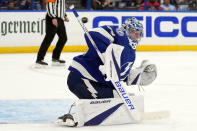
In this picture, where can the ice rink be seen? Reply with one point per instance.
(174, 89)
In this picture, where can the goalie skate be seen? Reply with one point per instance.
(66, 120)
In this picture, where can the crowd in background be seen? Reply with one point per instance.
(161, 5)
(22, 5)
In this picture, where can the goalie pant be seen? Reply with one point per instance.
(88, 89)
(111, 111)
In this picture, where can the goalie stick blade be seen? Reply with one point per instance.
(155, 115)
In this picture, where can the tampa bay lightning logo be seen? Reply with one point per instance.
(120, 32)
(125, 68)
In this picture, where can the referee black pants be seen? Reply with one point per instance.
(51, 30)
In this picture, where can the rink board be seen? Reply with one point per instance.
(163, 31)
(83, 48)
(32, 111)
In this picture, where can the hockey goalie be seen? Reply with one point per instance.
(90, 78)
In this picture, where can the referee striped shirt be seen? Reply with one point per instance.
(56, 8)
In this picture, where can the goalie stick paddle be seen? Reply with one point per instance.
(155, 115)
(116, 83)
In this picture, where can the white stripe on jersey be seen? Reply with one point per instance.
(82, 70)
(56, 9)
(90, 88)
(126, 68)
(104, 33)
(50, 9)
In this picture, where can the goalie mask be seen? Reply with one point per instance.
(134, 31)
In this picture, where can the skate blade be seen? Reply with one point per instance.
(39, 66)
(57, 64)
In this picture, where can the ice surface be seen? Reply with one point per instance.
(175, 90)
(32, 111)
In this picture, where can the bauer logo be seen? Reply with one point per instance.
(124, 95)
(154, 25)
(100, 102)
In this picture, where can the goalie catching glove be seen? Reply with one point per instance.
(143, 75)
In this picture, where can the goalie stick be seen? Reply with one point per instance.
(135, 114)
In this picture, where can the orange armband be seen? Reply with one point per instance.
(50, 1)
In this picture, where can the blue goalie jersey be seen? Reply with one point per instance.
(87, 65)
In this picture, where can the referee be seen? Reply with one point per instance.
(55, 18)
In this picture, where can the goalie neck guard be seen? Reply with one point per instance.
(132, 24)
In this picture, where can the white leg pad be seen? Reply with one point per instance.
(109, 111)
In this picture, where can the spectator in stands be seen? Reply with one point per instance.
(25, 5)
(166, 6)
(100, 4)
(183, 6)
(43, 4)
(2, 3)
(106, 3)
(151, 5)
(192, 4)
(122, 3)
(136, 3)
(84, 3)
(96, 4)
(127, 2)
(37, 5)
(175, 2)
(10, 5)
